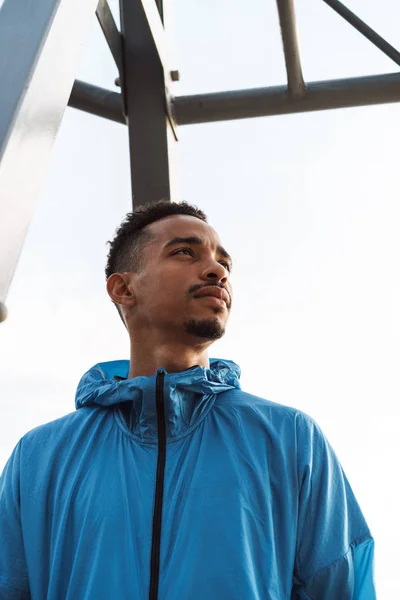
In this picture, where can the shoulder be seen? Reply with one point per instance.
(281, 418)
(61, 431)
(56, 426)
(265, 407)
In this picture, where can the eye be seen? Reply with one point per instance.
(189, 250)
(225, 264)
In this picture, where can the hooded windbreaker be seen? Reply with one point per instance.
(179, 487)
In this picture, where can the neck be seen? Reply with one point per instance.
(146, 358)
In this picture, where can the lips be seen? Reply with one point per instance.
(215, 291)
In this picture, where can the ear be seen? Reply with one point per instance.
(120, 289)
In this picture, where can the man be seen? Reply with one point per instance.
(169, 482)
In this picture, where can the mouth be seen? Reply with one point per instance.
(214, 293)
(214, 301)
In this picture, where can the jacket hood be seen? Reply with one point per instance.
(188, 395)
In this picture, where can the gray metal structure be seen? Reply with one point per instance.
(33, 37)
(145, 69)
(40, 43)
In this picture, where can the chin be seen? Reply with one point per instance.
(209, 329)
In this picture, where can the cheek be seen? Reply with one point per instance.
(165, 289)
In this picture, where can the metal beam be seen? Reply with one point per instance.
(97, 101)
(110, 30)
(40, 43)
(252, 103)
(154, 15)
(160, 8)
(365, 29)
(151, 137)
(290, 47)
(263, 102)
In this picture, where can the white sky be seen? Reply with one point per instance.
(308, 205)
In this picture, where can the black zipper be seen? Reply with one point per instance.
(157, 516)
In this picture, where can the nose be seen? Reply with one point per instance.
(214, 271)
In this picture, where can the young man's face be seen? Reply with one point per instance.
(175, 272)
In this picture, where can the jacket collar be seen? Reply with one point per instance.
(188, 395)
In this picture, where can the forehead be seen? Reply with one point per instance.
(182, 226)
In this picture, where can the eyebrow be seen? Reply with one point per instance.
(196, 240)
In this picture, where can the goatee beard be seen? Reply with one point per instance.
(209, 329)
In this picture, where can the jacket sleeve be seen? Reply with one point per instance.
(335, 549)
(13, 571)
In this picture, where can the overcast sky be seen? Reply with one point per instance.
(308, 206)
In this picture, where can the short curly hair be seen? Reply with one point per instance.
(126, 249)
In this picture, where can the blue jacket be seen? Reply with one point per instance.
(179, 487)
